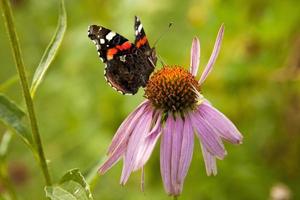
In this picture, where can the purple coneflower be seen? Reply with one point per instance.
(174, 110)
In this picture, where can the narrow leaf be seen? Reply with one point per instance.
(9, 82)
(6, 138)
(11, 115)
(71, 187)
(51, 50)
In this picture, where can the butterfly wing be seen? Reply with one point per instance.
(141, 41)
(128, 71)
(127, 67)
(107, 41)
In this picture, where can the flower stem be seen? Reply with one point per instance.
(8, 19)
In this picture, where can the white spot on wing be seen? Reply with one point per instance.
(110, 35)
(127, 94)
(102, 41)
(140, 27)
(136, 32)
(104, 72)
(123, 58)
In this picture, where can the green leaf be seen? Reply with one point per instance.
(11, 115)
(9, 82)
(71, 187)
(6, 138)
(51, 50)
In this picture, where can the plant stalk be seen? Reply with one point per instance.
(8, 19)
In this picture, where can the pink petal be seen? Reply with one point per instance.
(119, 143)
(113, 158)
(225, 128)
(127, 126)
(195, 56)
(148, 144)
(213, 56)
(165, 155)
(135, 143)
(177, 136)
(186, 154)
(208, 135)
(176, 153)
(210, 162)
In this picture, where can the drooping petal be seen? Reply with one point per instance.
(175, 156)
(113, 158)
(135, 143)
(208, 135)
(209, 161)
(195, 56)
(176, 153)
(165, 155)
(186, 154)
(213, 56)
(119, 143)
(127, 126)
(221, 123)
(149, 144)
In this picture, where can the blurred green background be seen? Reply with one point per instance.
(255, 82)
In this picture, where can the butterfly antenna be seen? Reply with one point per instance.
(163, 34)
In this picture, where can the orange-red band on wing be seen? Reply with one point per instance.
(141, 42)
(124, 46)
(112, 51)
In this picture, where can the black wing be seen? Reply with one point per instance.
(106, 41)
(127, 67)
(142, 43)
(129, 71)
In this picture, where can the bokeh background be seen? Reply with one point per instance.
(255, 82)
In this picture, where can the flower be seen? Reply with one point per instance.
(174, 110)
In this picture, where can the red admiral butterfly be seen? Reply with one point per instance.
(128, 66)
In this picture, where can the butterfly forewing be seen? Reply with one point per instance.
(105, 40)
(141, 41)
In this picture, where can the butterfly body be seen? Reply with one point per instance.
(128, 65)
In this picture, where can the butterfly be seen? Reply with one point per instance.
(127, 65)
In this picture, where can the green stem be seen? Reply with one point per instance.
(8, 19)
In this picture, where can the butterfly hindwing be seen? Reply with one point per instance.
(128, 71)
